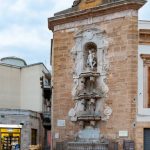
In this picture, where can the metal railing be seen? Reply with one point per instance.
(86, 146)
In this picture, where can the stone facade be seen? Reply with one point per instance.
(121, 29)
(28, 119)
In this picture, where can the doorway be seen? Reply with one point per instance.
(146, 138)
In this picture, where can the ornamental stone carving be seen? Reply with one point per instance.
(76, 2)
(90, 72)
(106, 113)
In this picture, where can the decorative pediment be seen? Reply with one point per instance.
(90, 71)
(144, 36)
(86, 4)
(91, 34)
(92, 30)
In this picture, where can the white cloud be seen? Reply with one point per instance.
(23, 26)
(25, 37)
(24, 30)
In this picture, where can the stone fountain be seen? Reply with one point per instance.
(90, 90)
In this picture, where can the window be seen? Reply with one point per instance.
(33, 136)
(146, 80)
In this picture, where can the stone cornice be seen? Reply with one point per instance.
(144, 31)
(145, 56)
(144, 36)
(93, 20)
(93, 12)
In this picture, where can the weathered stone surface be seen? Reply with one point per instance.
(89, 134)
(121, 28)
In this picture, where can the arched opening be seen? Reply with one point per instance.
(90, 56)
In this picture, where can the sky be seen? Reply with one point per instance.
(24, 29)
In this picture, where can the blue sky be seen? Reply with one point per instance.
(23, 27)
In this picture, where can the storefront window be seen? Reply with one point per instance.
(9, 138)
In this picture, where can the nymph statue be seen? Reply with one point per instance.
(91, 60)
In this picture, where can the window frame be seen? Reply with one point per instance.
(33, 136)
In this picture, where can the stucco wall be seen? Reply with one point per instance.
(9, 87)
(31, 92)
(20, 87)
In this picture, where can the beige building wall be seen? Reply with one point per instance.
(20, 87)
(31, 92)
(9, 87)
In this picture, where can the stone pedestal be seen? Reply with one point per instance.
(88, 139)
(89, 134)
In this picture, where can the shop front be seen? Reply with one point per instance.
(20, 128)
(10, 137)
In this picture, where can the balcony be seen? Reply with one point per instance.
(46, 117)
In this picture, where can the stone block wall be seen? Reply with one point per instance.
(122, 33)
(28, 119)
(62, 82)
(122, 80)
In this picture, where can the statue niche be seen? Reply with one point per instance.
(90, 89)
(90, 56)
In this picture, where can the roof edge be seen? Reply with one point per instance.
(103, 9)
(31, 65)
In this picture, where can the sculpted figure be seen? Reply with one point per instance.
(107, 113)
(103, 86)
(79, 107)
(76, 2)
(91, 60)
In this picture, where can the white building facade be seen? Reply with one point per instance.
(22, 103)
